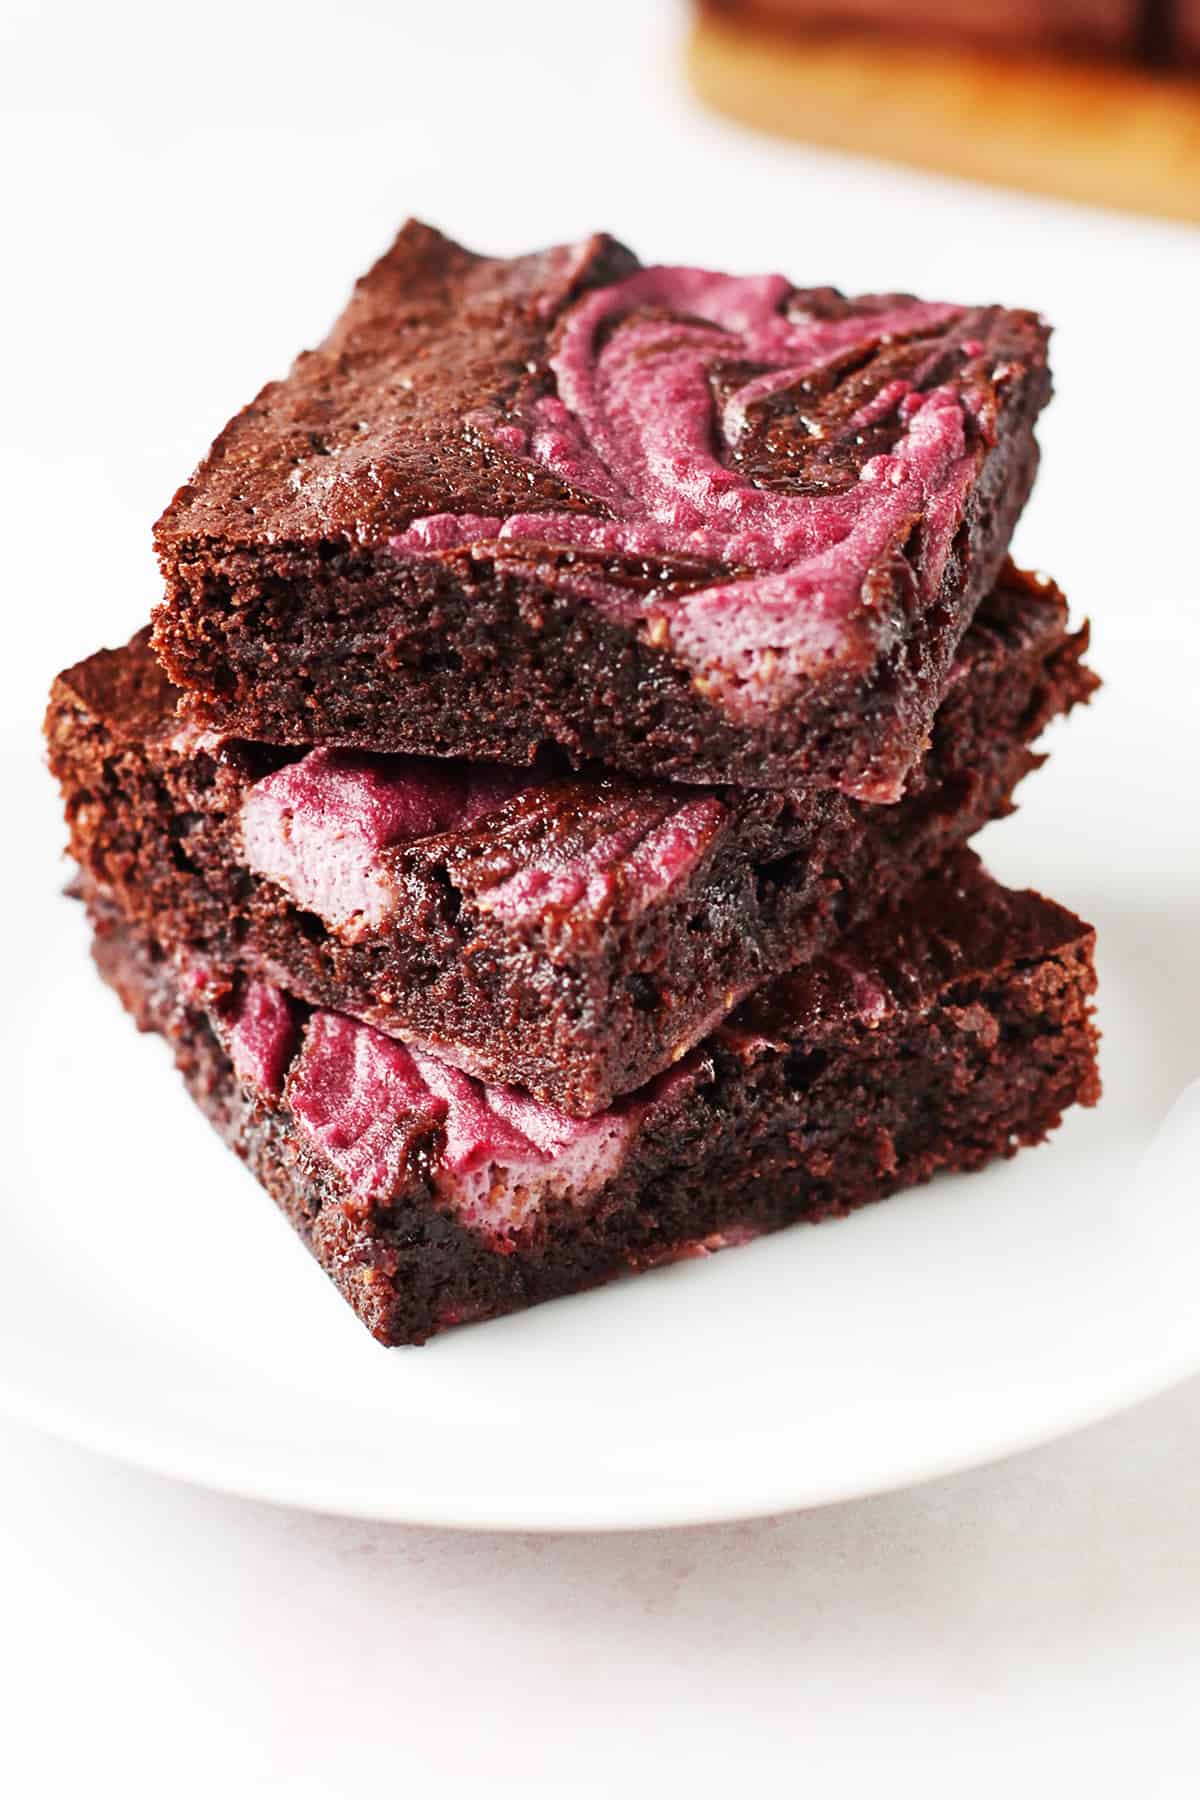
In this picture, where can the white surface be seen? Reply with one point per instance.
(188, 196)
(1026, 1629)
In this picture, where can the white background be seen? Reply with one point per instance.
(190, 193)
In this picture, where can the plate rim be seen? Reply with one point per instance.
(335, 1500)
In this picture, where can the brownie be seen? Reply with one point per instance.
(1153, 31)
(571, 933)
(697, 527)
(946, 1033)
(1184, 40)
(1111, 27)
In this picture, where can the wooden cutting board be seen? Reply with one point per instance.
(1090, 131)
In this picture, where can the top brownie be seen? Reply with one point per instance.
(706, 527)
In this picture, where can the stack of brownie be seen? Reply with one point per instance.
(537, 816)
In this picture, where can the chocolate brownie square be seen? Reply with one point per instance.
(699, 527)
(571, 933)
(951, 1029)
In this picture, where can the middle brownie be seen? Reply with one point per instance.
(570, 933)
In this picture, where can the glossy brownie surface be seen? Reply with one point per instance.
(700, 526)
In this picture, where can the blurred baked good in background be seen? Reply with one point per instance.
(1090, 100)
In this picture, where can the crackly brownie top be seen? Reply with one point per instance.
(733, 462)
(345, 834)
(949, 927)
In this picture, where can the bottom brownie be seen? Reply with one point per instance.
(951, 1029)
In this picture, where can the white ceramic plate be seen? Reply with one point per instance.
(153, 1305)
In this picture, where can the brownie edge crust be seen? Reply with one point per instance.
(440, 535)
(952, 1029)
